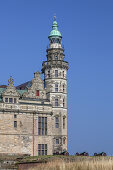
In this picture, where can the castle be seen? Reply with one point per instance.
(33, 115)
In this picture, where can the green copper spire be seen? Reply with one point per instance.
(55, 32)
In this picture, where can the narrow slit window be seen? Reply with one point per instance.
(56, 73)
(63, 122)
(63, 88)
(15, 124)
(57, 122)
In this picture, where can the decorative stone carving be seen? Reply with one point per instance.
(11, 90)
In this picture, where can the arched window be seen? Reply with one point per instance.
(56, 87)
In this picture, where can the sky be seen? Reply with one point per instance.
(87, 30)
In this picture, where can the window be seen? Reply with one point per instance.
(15, 124)
(57, 122)
(42, 125)
(42, 149)
(15, 116)
(56, 73)
(10, 100)
(14, 100)
(63, 88)
(37, 93)
(56, 57)
(63, 74)
(63, 102)
(56, 87)
(48, 73)
(63, 122)
(57, 141)
(64, 141)
(6, 100)
(56, 102)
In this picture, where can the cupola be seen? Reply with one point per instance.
(55, 36)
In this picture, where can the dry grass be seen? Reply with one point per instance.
(96, 163)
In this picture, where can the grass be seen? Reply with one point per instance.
(80, 163)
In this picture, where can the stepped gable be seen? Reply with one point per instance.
(36, 90)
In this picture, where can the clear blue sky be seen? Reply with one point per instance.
(87, 30)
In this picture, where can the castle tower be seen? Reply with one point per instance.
(55, 82)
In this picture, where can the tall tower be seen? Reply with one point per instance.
(55, 81)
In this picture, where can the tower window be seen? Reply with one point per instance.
(56, 73)
(37, 93)
(15, 124)
(63, 102)
(42, 149)
(63, 88)
(57, 141)
(56, 57)
(63, 122)
(63, 74)
(57, 122)
(56, 87)
(42, 125)
(48, 73)
(56, 102)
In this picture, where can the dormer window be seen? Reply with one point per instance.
(37, 93)
(14, 100)
(6, 100)
(10, 100)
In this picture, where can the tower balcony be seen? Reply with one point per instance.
(54, 63)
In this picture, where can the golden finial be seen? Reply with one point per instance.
(54, 17)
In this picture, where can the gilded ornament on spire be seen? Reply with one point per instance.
(54, 17)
